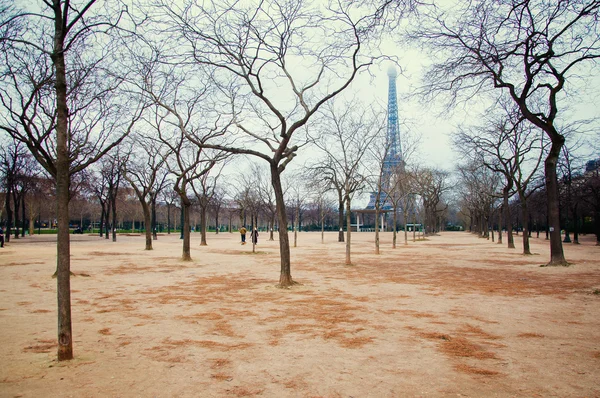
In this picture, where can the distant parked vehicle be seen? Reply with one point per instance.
(78, 230)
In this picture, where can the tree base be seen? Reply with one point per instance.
(287, 283)
(66, 355)
(563, 263)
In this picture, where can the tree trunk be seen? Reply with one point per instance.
(114, 217)
(285, 277)
(168, 219)
(185, 229)
(107, 223)
(500, 226)
(296, 221)
(203, 226)
(148, 234)
(491, 222)
(181, 221)
(101, 226)
(217, 227)
(272, 227)
(341, 217)
(525, 216)
(17, 203)
(575, 225)
(348, 231)
(376, 228)
(23, 218)
(153, 221)
(63, 268)
(507, 219)
(557, 256)
(395, 234)
(405, 228)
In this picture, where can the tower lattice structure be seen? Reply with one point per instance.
(393, 161)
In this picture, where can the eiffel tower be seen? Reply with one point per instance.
(393, 158)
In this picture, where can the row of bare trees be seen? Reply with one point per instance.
(80, 77)
(211, 80)
(503, 157)
(530, 52)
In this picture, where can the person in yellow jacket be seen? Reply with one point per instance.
(243, 233)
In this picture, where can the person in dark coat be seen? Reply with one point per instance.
(254, 236)
(1, 237)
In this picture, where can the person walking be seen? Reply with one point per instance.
(254, 236)
(243, 234)
(1, 237)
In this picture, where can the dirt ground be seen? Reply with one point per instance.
(453, 315)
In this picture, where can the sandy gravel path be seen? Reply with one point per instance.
(453, 315)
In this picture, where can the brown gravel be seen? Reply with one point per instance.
(453, 315)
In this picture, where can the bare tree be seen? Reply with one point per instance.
(396, 181)
(57, 100)
(528, 49)
(280, 61)
(204, 189)
(216, 203)
(401, 192)
(147, 174)
(569, 167)
(187, 163)
(432, 184)
(346, 131)
(377, 180)
(478, 188)
(508, 145)
(169, 196)
(591, 190)
(319, 189)
(18, 173)
(297, 194)
(345, 135)
(112, 170)
(9, 164)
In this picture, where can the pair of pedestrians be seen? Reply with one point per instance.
(253, 234)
